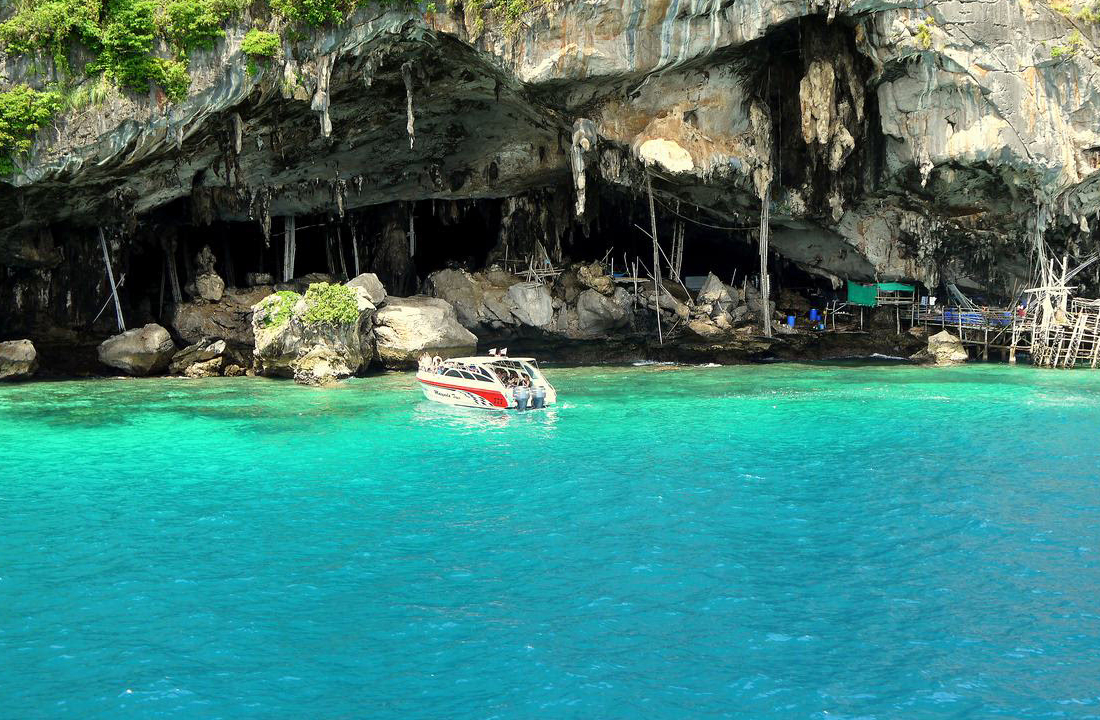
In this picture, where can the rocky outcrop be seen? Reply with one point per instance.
(943, 349)
(230, 318)
(18, 360)
(531, 304)
(207, 358)
(598, 315)
(322, 365)
(142, 351)
(315, 338)
(371, 285)
(406, 328)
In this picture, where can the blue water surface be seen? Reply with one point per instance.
(670, 542)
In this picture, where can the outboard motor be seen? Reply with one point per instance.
(522, 394)
(538, 397)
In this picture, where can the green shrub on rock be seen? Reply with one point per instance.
(23, 112)
(277, 308)
(51, 26)
(330, 305)
(260, 44)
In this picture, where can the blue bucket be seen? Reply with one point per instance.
(813, 314)
(790, 320)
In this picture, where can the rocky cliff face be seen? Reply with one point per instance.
(926, 141)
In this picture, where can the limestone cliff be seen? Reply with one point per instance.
(900, 139)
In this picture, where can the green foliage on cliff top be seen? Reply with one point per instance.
(277, 311)
(508, 14)
(330, 305)
(23, 111)
(51, 26)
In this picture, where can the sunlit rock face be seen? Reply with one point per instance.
(893, 141)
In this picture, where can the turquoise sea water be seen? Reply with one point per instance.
(748, 542)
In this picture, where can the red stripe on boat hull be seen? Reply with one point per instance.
(495, 397)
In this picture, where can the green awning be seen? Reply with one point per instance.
(896, 287)
(862, 294)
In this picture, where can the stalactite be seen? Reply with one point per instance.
(584, 139)
(238, 131)
(321, 97)
(406, 74)
(412, 231)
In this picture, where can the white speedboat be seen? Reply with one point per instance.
(487, 381)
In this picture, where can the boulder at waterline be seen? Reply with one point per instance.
(288, 327)
(943, 349)
(406, 328)
(598, 314)
(206, 358)
(479, 299)
(142, 351)
(369, 283)
(18, 360)
(531, 303)
(322, 365)
(200, 352)
(715, 292)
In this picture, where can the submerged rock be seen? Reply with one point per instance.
(18, 360)
(142, 351)
(943, 349)
(406, 328)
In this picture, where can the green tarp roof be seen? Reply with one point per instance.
(866, 295)
(896, 287)
(859, 294)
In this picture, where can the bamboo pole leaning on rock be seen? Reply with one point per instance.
(111, 280)
(656, 258)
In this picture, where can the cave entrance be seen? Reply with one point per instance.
(450, 234)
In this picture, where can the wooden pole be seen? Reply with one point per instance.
(229, 272)
(111, 280)
(765, 280)
(656, 258)
(355, 249)
(173, 274)
(328, 253)
(290, 240)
